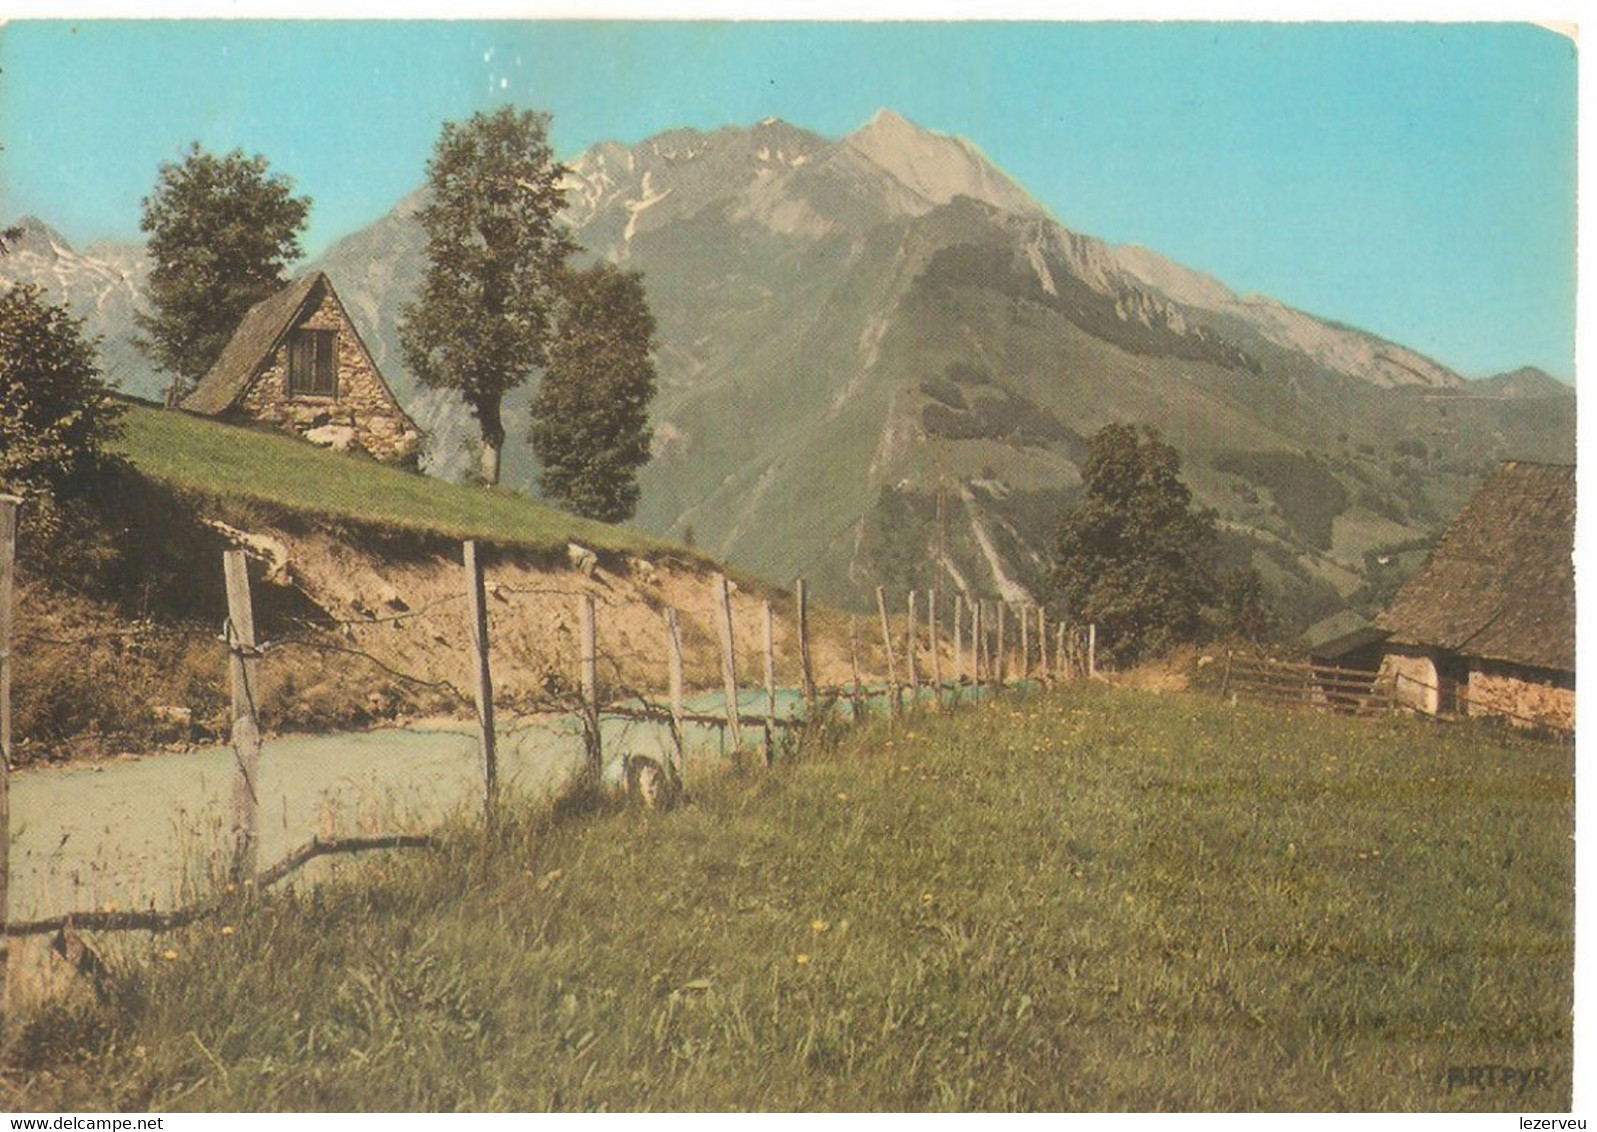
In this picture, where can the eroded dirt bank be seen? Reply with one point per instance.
(363, 626)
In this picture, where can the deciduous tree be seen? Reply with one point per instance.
(222, 230)
(590, 416)
(481, 322)
(1134, 557)
(56, 412)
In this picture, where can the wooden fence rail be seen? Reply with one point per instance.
(151, 920)
(1346, 691)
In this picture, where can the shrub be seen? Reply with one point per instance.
(56, 412)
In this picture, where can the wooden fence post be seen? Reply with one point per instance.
(911, 646)
(978, 640)
(588, 632)
(1042, 644)
(801, 594)
(8, 557)
(673, 640)
(770, 685)
(1061, 664)
(1092, 650)
(1025, 642)
(243, 665)
(482, 680)
(999, 668)
(853, 661)
(887, 643)
(959, 657)
(729, 672)
(937, 648)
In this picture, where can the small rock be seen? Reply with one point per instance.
(582, 559)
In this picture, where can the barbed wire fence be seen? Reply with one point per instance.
(579, 678)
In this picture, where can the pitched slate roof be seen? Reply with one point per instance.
(1501, 583)
(258, 334)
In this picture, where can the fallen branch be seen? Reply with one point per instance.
(155, 921)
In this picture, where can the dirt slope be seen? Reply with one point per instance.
(361, 626)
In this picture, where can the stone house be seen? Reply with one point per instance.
(1487, 626)
(296, 362)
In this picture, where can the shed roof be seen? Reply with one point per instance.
(1348, 644)
(1501, 583)
(258, 334)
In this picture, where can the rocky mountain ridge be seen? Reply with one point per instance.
(880, 359)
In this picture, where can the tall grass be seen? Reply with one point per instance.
(1092, 899)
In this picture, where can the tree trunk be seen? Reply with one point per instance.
(488, 468)
(492, 426)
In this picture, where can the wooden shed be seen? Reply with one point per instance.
(297, 362)
(1487, 625)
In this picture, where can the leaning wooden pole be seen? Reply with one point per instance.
(243, 673)
(729, 672)
(482, 680)
(887, 644)
(1025, 642)
(8, 558)
(937, 646)
(1042, 643)
(673, 641)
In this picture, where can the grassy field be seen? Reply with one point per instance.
(232, 463)
(1089, 899)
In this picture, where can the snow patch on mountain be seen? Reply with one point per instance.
(635, 208)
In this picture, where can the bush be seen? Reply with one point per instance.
(56, 413)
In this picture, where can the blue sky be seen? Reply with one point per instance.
(1415, 180)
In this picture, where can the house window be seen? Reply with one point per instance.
(313, 363)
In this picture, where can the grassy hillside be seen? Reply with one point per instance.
(226, 462)
(1094, 899)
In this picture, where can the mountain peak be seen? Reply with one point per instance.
(41, 239)
(1526, 381)
(889, 119)
(937, 167)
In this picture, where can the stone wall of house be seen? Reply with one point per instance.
(362, 417)
(1417, 684)
(1527, 696)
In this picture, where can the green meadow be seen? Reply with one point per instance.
(249, 466)
(1089, 898)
